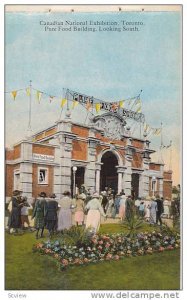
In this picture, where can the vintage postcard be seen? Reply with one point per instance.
(93, 137)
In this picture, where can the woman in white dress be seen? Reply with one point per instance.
(153, 210)
(95, 211)
(65, 212)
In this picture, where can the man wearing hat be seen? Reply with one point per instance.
(95, 211)
(160, 210)
(51, 214)
(39, 214)
(15, 214)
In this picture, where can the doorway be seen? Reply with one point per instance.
(135, 185)
(109, 176)
(79, 178)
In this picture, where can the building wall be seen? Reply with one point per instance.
(137, 160)
(38, 188)
(154, 166)
(79, 150)
(138, 144)
(41, 149)
(9, 179)
(80, 131)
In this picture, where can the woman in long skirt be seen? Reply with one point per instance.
(153, 210)
(79, 211)
(65, 212)
(39, 214)
(95, 211)
(122, 205)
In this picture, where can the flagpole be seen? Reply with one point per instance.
(29, 129)
(161, 144)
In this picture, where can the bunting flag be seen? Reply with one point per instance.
(75, 103)
(28, 91)
(88, 105)
(121, 103)
(38, 96)
(115, 106)
(14, 94)
(157, 131)
(63, 102)
(98, 107)
(146, 127)
(139, 109)
(51, 98)
(137, 101)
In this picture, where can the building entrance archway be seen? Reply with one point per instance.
(109, 175)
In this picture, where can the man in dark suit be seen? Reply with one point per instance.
(160, 210)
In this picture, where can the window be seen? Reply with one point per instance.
(17, 184)
(42, 176)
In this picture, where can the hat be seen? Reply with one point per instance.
(95, 195)
(148, 198)
(66, 193)
(42, 194)
(16, 192)
(53, 196)
(153, 198)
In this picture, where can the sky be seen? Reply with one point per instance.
(108, 65)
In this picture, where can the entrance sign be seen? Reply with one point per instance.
(43, 157)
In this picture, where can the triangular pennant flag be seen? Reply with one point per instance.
(139, 109)
(39, 96)
(63, 102)
(138, 101)
(75, 103)
(14, 94)
(146, 127)
(115, 106)
(88, 105)
(28, 91)
(121, 103)
(98, 107)
(157, 131)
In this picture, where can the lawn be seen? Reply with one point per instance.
(26, 270)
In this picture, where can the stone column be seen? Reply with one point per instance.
(97, 181)
(26, 169)
(127, 177)
(90, 170)
(121, 172)
(144, 188)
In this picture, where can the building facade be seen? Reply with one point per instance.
(101, 154)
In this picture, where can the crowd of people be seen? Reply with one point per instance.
(85, 209)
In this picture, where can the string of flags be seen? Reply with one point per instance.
(90, 102)
(130, 107)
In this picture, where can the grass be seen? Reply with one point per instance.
(26, 270)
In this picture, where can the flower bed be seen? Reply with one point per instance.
(105, 247)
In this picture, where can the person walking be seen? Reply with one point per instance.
(95, 211)
(51, 214)
(15, 214)
(39, 214)
(65, 212)
(122, 205)
(160, 210)
(153, 210)
(79, 211)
